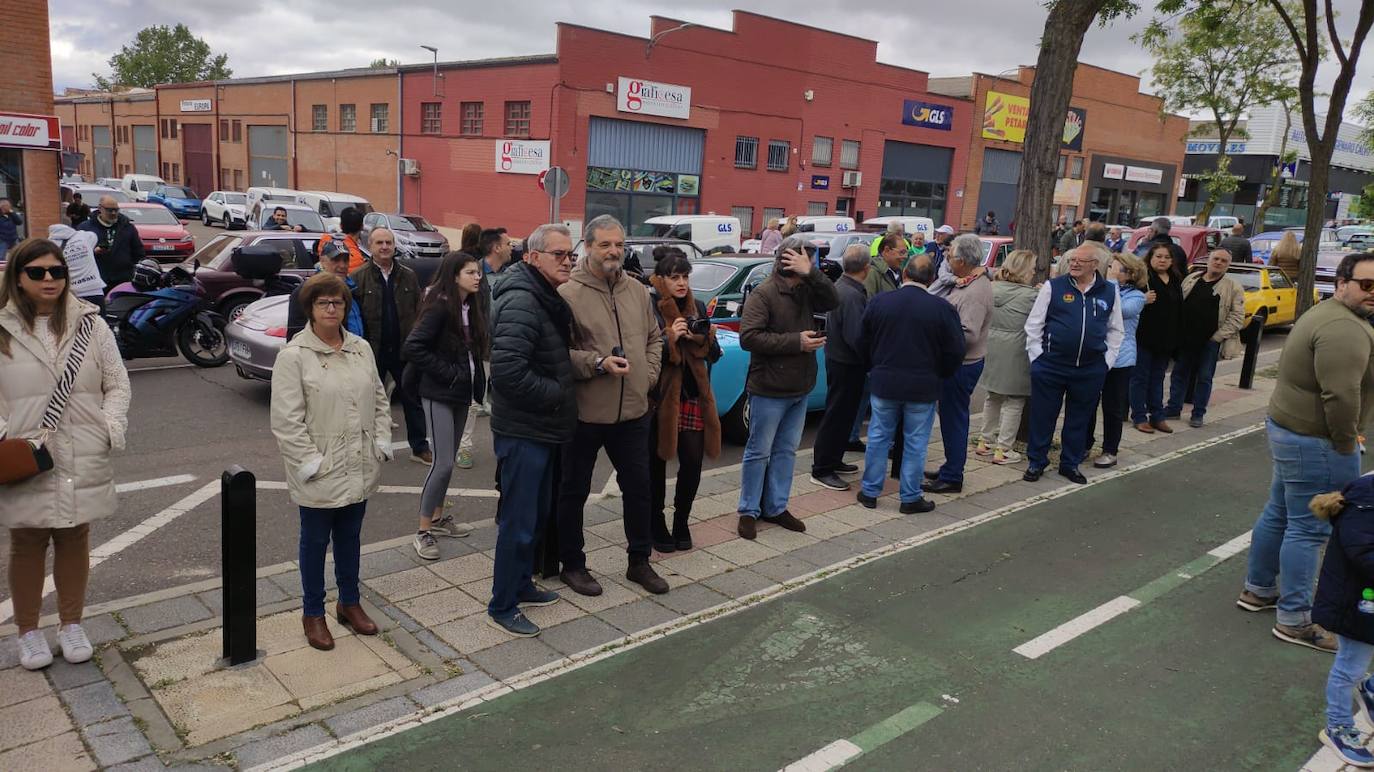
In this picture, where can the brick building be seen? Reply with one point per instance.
(30, 140)
(1120, 161)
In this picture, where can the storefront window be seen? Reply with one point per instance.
(633, 196)
(912, 198)
(12, 177)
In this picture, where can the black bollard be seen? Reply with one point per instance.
(238, 560)
(1250, 336)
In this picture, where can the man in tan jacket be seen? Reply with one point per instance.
(616, 348)
(1213, 313)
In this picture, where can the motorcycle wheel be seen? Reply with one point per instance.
(203, 345)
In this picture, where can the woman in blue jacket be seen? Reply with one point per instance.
(1128, 273)
(1344, 605)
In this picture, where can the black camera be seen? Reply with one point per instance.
(618, 352)
(698, 325)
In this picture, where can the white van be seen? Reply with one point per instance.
(257, 195)
(330, 204)
(823, 222)
(1222, 222)
(138, 186)
(910, 225)
(711, 233)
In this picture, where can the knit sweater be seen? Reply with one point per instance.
(1326, 376)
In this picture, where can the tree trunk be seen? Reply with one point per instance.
(1068, 21)
(1318, 182)
(1271, 196)
(1200, 217)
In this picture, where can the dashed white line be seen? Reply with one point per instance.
(157, 482)
(1231, 548)
(1044, 644)
(831, 756)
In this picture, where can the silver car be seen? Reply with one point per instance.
(257, 336)
(415, 237)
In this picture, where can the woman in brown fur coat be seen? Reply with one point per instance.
(685, 423)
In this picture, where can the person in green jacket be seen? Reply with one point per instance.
(885, 267)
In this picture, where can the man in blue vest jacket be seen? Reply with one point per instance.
(1073, 335)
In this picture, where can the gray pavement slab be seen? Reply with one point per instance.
(165, 614)
(263, 751)
(117, 741)
(579, 635)
(515, 657)
(93, 703)
(642, 614)
(371, 715)
(453, 688)
(740, 582)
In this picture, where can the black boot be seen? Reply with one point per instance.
(682, 535)
(663, 540)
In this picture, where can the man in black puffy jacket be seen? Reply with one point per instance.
(533, 412)
(117, 248)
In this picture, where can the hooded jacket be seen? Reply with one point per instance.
(332, 420)
(80, 486)
(532, 394)
(1348, 568)
(78, 249)
(606, 315)
(123, 248)
(1006, 369)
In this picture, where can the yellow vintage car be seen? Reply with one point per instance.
(1270, 291)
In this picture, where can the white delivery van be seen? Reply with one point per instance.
(823, 222)
(330, 204)
(138, 186)
(710, 232)
(910, 225)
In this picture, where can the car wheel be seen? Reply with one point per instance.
(233, 309)
(735, 425)
(204, 218)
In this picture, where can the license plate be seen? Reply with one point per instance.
(240, 350)
(163, 247)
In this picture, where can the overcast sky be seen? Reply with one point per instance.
(271, 37)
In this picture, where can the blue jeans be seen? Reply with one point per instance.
(1350, 667)
(1287, 537)
(1074, 388)
(345, 526)
(955, 393)
(1201, 364)
(775, 429)
(917, 419)
(1147, 386)
(526, 469)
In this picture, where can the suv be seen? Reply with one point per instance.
(261, 212)
(415, 237)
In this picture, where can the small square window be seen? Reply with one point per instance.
(380, 118)
(348, 117)
(319, 118)
(746, 152)
(822, 148)
(430, 118)
(471, 125)
(517, 119)
(779, 155)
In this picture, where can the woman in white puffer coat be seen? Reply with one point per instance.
(39, 323)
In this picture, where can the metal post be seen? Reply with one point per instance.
(238, 560)
(1251, 337)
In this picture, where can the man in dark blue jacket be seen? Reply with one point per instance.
(844, 372)
(1073, 335)
(10, 221)
(117, 248)
(913, 341)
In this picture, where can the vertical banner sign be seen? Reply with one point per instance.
(1074, 125)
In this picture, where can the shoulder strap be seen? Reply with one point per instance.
(58, 404)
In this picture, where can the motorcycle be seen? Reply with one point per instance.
(159, 314)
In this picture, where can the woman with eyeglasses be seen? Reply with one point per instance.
(43, 328)
(332, 421)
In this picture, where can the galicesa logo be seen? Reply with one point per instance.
(512, 152)
(639, 91)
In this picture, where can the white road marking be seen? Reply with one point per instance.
(159, 367)
(130, 537)
(1044, 644)
(831, 756)
(1232, 547)
(158, 482)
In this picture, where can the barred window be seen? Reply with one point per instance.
(746, 218)
(849, 154)
(517, 119)
(822, 148)
(319, 118)
(348, 117)
(473, 113)
(430, 118)
(746, 152)
(779, 151)
(380, 118)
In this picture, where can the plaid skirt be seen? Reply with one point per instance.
(689, 416)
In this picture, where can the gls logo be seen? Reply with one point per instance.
(725, 227)
(929, 114)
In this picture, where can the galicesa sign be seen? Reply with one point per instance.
(645, 97)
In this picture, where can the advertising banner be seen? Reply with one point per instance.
(645, 97)
(927, 115)
(522, 156)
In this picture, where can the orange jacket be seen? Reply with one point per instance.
(356, 258)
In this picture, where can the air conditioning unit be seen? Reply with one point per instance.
(852, 179)
(377, 126)
(410, 167)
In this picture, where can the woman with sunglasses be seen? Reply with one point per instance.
(332, 421)
(41, 324)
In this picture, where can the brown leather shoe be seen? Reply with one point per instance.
(317, 633)
(748, 527)
(789, 521)
(354, 617)
(1163, 426)
(1144, 427)
(581, 582)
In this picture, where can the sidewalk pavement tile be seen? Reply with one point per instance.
(741, 581)
(714, 484)
(93, 703)
(783, 568)
(825, 527)
(728, 522)
(115, 742)
(480, 540)
(20, 685)
(471, 633)
(63, 753)
(610, 533)
(704, 535)
(481, 589)
(515, 656)
(640, 615)
(188, 657)
(1005, 473)
(861, 517)
(909, 526)
(290, 581)
(318, 677)
(714, 506)
(579, 635)
(65, 675)
(691, 598)
(461, 570)
(282, 632)
(102, 629)
(824, 499)
(554, 614)
(442, 606)
(1000, 497)
(406, 584)
(608, 561)
(860, 542)
(165, 614)
(26, 722)
(9, 651)
(387, 562)
(784, 540)
(697, 564)
(453, 688)
(371, 715)
(596, 514)
(612, 594)
(825, 554)
(225, 702)
(265, 592)
(591, 541)
(389, 654)
(742, 552)
(263, 751)
(145, 764)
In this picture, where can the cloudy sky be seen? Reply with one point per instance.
(271, 37)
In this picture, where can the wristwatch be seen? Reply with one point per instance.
(599, 369)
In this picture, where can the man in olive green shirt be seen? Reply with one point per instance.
(1323, 398)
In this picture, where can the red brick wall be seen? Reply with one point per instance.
(26, 62)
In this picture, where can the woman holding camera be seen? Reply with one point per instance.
(686, 424)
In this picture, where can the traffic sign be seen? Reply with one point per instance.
(554, 181)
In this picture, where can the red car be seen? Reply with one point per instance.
(164, 237)
(1196, 240)
(995, 250)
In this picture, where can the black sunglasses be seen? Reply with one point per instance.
(36, 272)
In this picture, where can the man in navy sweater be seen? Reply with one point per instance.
(1073, 335)
(912, 341)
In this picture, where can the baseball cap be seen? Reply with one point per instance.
(944, 229)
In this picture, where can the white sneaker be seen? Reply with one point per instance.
(74, 645)
(447, 526)
(426, 546)
(1003, 457)
(34, 653)
(1105, 461)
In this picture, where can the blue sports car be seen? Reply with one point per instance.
(728, 376)
(183, 202)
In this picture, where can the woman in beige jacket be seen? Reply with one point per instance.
(39, 323)
(332, 422)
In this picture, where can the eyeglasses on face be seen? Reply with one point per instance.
(330, 305)
(1365, 285)
(562, 255)
(36, 272)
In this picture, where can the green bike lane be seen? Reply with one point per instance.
(910, 659)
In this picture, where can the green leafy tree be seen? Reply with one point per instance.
(1060, 41)
(1286, 156)
(383, 63)
(1363, 207)
(163, 54)
(1208, 61)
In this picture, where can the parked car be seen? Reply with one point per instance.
(278, 195)
(1196, 240)
(910, 225)
(296, 214)
(713, 234)
(823, 222)
(138, 186)
(164, 237)
(90, 194)
(225, 207)
(719, 282)
(1176, 219)
(728, 376)
(415, 237)
(1268, 292)
(1345, 232)
(1362, 241)
(181, 200)
(750, 246)
(995, 250)
(329, 205)
(230, 293)
(1327, 260)
(1262, 244)
(108, 182)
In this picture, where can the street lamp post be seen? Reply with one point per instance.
(434, 51)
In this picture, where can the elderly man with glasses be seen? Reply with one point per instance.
(117, 247)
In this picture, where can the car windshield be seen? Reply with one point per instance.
(709, 277)
(172, 191)
(235, 198)
(279, 197)
(1249, 280)
(336, 207)
(987, 250)
(216, 253)
(153, 215)
(304, 218)
(1263, 245)
(657, 230)
(411, 222)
